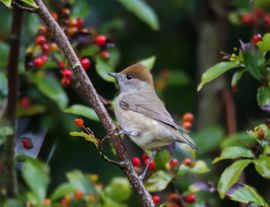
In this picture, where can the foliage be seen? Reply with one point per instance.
(176, 177)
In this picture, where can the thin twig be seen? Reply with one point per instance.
(104, 157)
(86, 86)
(10, 175)
(24, 8)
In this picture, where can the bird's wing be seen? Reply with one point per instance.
(153, 108)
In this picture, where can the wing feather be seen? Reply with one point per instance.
(153, 108)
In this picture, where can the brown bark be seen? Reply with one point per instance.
(9, 176)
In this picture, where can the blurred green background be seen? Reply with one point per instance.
(192, 33)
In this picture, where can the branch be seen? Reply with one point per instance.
(229, 111)
(86, 86)
(10, 176)
(24, 8)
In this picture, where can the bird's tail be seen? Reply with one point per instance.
(186, 139)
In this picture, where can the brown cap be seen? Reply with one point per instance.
(139, 71)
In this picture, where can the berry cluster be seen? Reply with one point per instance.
(173, 199)
(46, 50)
(187, 121)
(256, 17)
(136, 161)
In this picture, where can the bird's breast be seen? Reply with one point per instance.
(152, 134)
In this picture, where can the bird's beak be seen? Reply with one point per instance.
(116, 75)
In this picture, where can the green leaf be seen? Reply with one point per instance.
(262, 165)
(7, 3)
(81, 9)
(4, 132)
(162, 158)
(119, 189)
(264, 45)
(33, 109)
(230, 176)
(208, 138)
(86, 136)
(30, 3)
(103, 68)
(148, 62)
(62, 190)
(81, 182)
(13, 203)
(238, 139)
(237, 76)
(3, 86)
(142, 11)
(216, 71)
(82, 110)
(263, 98)
(158, 181)
(36, 176)
(200, 167)
(234, 152)
(245, 194)
(178, 78)
(4, 48)
(254, 62)
(51, 88)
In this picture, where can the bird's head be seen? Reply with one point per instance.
(134, 78)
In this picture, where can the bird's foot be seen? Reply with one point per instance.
(128, 132)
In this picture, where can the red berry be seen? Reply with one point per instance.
(67, 73)
(156, 199)
(174, 197)
(61, 64)
(78, 195)
(79, 122)
(47, 202)
(145, 157)
(65, 81)
(40, 40)
(187, 125)
(27, 143)
(86, 63)
(256, 38)
(38, 62)
(54, 15)
(42, 29)
(44, 58)
(136, 161)
(258, 13)
(105, 54)
(24, 102)
(267, 20)
(187, 162)
(188, 117)
(191, 198)
(79, 23)
(248, 19)
(174, 163)
(45, 48)
(260, 134)
(152, 165)
(101, 40)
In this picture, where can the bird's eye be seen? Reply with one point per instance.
(129, 77)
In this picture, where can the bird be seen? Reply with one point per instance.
(142, 116)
